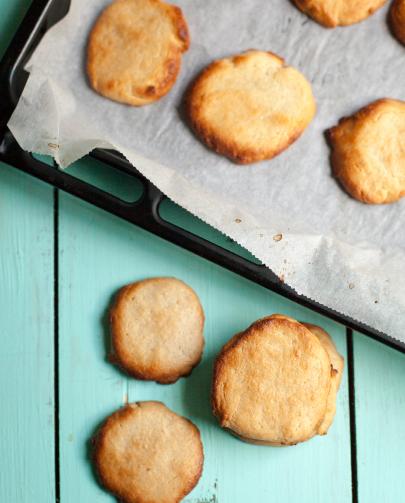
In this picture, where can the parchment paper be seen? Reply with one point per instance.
(344, 254)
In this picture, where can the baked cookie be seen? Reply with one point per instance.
(250, 107)
(157, 329)
(337, 362)
(397, 19)
(135, 49)
(145, 453)
(271, 383)
(368, 152)
(332, 13)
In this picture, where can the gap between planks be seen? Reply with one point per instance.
(352, 414)
(56, 336)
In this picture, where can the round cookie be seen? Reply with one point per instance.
(271, 383)
(397, 19)
(368, 152)
(332, 13)
(250, 107)
(135, 49)
(337, 362)
(157, 329)
(145, 453)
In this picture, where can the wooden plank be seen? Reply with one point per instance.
(89, 386)
(26, 297)
(380, 418)
(26, 331)
(98, 254)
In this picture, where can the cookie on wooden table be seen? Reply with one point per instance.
(397, 19)
(157, 329)
(332, 13)
(337, 363)
(368, 152)
(271, 383)
(135, 49)
(145, 453)
(250, 107)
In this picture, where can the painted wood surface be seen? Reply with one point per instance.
(26, 334)
(27, 471)
(380, 420)
(98, 253)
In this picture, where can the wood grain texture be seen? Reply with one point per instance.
(99, 253)
(380, 420)
(26, 334)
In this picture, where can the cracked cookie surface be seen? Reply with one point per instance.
(157, 329)
(368, 152)
(271, 383)
(135, 49)
(146, 453)
(250, 107)
(332, 13)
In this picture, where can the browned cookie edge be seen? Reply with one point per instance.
(117, 353)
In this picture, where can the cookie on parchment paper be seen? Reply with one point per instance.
(271, 383)
(157, 329)
(250, 107)
(145, 453)
(332, 13)
(135, 49)
(397, 19)
(368, 152)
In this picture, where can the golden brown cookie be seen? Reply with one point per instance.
(271, 383)
(250, 107)
(397, 19)
(145, 453)
(337, 363)
(157, 329)
(332, 13)
(135, 49)
(368, 152)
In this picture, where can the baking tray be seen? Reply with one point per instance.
(145, 212)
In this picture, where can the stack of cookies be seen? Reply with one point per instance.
(276, 382)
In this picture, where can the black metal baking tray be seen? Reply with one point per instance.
(145, 212)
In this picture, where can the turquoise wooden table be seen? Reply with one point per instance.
(61, 262)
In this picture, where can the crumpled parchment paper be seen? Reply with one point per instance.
(335, 250)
